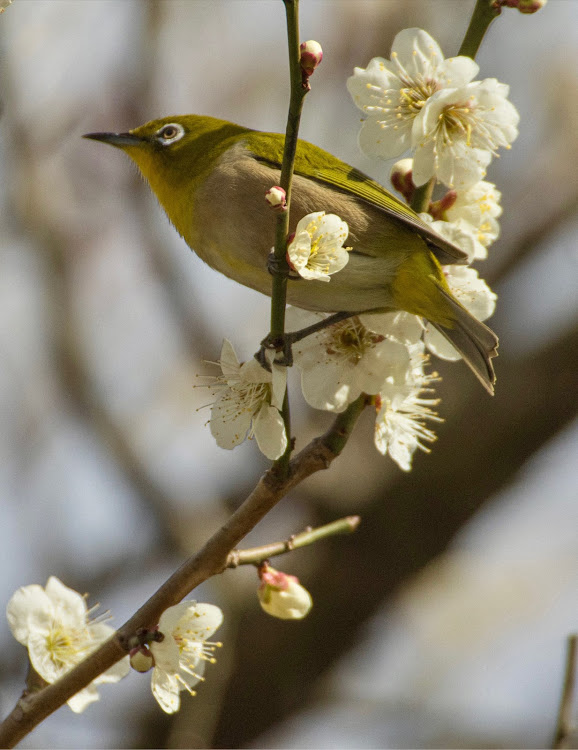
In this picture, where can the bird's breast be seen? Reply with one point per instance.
(232, 228)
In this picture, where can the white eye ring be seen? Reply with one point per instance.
(170, 133)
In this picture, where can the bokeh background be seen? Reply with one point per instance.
(442, 622)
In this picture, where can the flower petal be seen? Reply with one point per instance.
(84, 698)
(25, 600)
(70, 604)
(270, 434)
(165, 688)
(401, 326)
(417, 51)
(440, 346)
(229, 362)
(384, 142)
(327, 385)
(230, 421)
(204, 620)
(278, 385)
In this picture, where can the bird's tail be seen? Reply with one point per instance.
(477, 343)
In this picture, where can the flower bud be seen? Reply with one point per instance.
(276, 197)
(311, 56)
(401, 178)
(437, 209)
(530, 6)
(4, 4)
(281, 595)
(141, 659)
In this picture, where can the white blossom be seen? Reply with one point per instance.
(479, 206)
(53, 623)
(316, 251)
(474, 294)
(460, 233)
(282, 596)
(400, 428)
(460, 129)
(345, 359)
(249, 403)
(181, 656)
(393, 93)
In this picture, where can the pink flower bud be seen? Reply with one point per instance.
(311, 56)
(401, 178)
(530, 6)
(276, 197)
(281, 595)
(141, 659)
(437, 209)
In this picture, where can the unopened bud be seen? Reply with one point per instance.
(530, 6)
(141, 659)
(524, 6)
(282, 595)
(437, 209)
(4, 4)
(311, 56)
(276, 197)
(401, 178)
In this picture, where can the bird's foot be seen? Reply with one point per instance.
(275, 349)
(280, 267)
(279, 348)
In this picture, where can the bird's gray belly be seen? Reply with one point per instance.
(234, 232)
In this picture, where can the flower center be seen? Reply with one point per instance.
(66, 646)
(455, 120)
(191, 652)
(403, 104)
(350, 340)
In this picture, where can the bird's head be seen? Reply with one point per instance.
(174, 153)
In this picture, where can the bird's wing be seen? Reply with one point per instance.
(323, 167)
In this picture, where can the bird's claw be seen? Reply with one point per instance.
(282, 348)
(280, 267)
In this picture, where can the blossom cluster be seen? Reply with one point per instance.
(453, 125)
(56, 627)
(420, 101)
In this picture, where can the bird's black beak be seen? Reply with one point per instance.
(120, 140)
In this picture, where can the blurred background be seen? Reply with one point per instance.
(442, 622)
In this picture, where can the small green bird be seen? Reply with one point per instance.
(211, 176)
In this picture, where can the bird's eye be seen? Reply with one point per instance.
(170, 133)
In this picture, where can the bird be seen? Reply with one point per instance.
(210, 176)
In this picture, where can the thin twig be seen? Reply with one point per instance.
(564, 723)
(257, 555)
(209, 561)
(484, 13)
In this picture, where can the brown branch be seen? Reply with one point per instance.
(209, 561)
(564, 723)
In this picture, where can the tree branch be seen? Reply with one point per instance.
(257, 555)
(209, 561)
(564, 724)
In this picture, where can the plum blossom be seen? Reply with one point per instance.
(400, 428)
(248, 404)
(55, 626)
(460, 129)
(316, 250)
(419, 101)
(345, 359)
(180, 657)
(281, 595)
(480, 207)
(393, 93)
